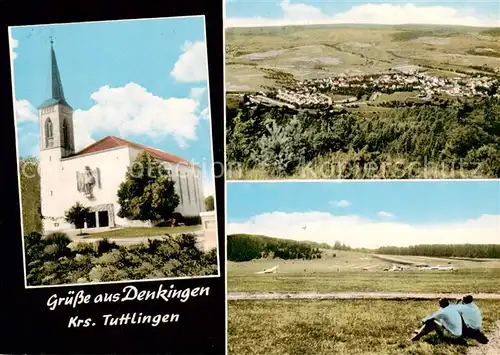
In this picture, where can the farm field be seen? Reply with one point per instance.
(319, 51)
(362, 272)
(362, 102)
(357, 327)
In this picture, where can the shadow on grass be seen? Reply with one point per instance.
(435, 339)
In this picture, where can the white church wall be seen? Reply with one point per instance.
(112, 165)
(192, 190)
(59, 185)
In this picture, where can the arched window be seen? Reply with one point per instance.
(49, 133)
(65, 134)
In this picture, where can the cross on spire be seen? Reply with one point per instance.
(51, 40)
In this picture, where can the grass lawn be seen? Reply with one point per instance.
(399, 96)
(329, 167)
(344, 272)
(459, 281)
(135, 232)
(374, 327)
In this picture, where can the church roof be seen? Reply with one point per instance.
(110, 142)
(57, 87)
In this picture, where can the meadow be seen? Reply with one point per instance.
(363, 272)
(315, 326)
(355, 327)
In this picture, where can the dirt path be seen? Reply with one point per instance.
(354, 295)
(493, 347)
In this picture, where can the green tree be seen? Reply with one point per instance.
(30, 195)
(209, 203)
(148, 193)
(77, 215)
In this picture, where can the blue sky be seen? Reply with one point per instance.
(412, 201)
(247, 13)
(143, 80)
(386, 208)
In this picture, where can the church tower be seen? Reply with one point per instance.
(56, 140)
(56, 118)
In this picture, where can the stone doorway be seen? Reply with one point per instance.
(91, 220)
(101, 216)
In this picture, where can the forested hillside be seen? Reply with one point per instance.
(418, 141)
(245, 247)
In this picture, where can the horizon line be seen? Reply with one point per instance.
(361, 24)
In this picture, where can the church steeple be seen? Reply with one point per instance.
(56, 118)
(56, 83)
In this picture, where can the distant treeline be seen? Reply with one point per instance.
(495, 32)
(485, 251)
(245, 247)
(415, 34)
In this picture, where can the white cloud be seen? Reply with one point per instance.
(197, 93)
(388, 13)
(132, 110)
(360, 232)
(25, 111)
(14, 43)
(129, 110)
(385, 214)
(192, 63)
(341, 203)
(205, 113)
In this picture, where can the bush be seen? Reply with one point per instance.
(51, 261)
(60, 239)
(192, 221)
(84, 248)
(105, 246)
(32, 239)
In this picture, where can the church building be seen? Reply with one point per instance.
(93, 175)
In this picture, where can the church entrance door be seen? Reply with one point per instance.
(103, 218)
(91, 220)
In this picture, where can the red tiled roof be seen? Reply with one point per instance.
(110, 142)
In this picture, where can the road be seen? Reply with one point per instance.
(493, 347)
(353, 295)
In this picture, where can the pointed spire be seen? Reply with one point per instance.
(57, 88)
(56, 83)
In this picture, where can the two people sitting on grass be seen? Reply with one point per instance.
(455, 322)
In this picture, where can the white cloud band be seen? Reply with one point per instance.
(388, 13)
(361, 232)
